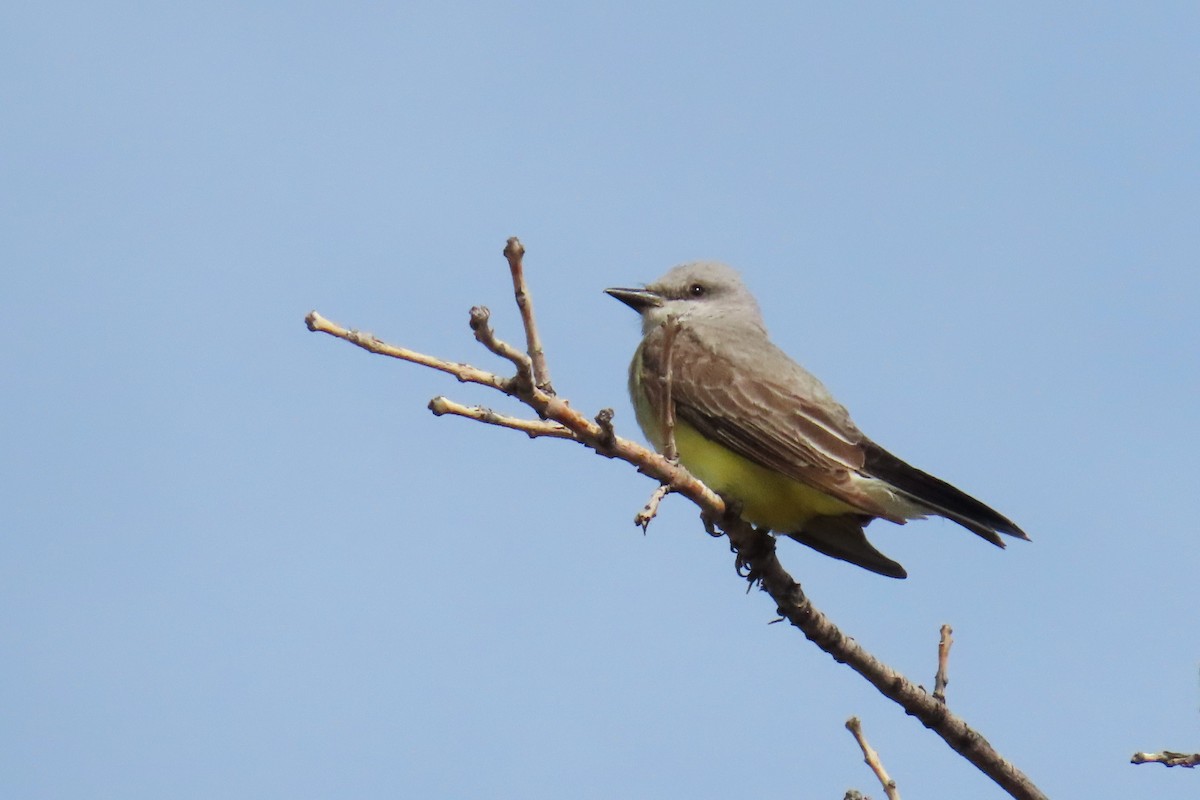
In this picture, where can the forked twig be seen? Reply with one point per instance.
(595, 434)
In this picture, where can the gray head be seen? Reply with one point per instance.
(702, 290)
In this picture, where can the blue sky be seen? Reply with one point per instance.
(238, 559)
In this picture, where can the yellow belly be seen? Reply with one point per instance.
(768, 498)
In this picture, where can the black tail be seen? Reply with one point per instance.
(938, 496)
(842, 537)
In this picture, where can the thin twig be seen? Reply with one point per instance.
(481, 325)
(942, 678)
(670, 329)
(533, 427)
(650, 510)
(514, 252)
(872, 759)
(1167, 758)
(464, 372)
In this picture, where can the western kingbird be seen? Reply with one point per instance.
(757, 428)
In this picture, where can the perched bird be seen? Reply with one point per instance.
(757, 428)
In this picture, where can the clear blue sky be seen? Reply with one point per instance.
(241, 560)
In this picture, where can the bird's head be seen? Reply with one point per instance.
(703, 290)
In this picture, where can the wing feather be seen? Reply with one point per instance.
(782, 418)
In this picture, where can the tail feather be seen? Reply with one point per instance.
(939, 497)
(843, 538)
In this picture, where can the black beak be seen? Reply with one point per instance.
(637, 299)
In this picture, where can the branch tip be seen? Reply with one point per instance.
(650, 510)
(942, 678)
(531, 427)
(480, 315)
(480, 325)
(1168, 758)
(872, 759)
(513, 249)
(604, 419)
(514, 252)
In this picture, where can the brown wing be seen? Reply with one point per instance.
(763, 406)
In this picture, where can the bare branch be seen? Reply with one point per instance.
(872, 759)
(756, 556)
(650, 510)
(754, 548)
(514, 251)
(942, 678)
(464, 372)
(481, 325)
(533, 427)
(1167, 758)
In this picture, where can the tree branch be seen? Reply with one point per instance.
(597, 435)
(514, 252)
(1167, 758)
(872, 759)
(942, 678)
(650, 510)
(464, 372)
(481, 325)
(534, 427)
(754, 549)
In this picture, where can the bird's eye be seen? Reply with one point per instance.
(697, 290)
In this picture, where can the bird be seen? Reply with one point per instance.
(760, 430)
